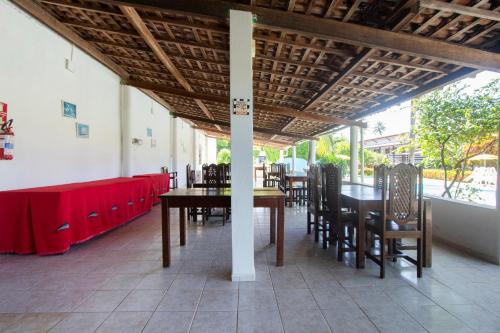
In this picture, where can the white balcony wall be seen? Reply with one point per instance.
(469, 227)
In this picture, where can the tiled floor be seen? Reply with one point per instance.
(116, 284)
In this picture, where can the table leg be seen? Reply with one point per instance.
(182, 226)
(272, 225)
(290, 192)
(281, 232)
(165, 232)
(360, 238)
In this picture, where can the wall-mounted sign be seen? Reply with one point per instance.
(69, 109)
(82, 130)
(241, 107)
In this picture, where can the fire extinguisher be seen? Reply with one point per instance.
(7, 141)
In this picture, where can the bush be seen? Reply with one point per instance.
(224, 156)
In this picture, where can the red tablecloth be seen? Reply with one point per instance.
(48, 220)
(161, 183)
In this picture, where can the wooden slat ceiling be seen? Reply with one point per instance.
(304, 83)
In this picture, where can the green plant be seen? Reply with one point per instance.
(224, 156)
(454, 126)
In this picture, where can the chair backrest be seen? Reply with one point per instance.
(211, 175)
(314, 187)
(333, 184)
(164, 169)
(404, 188)
(378, 175)
(189, 179)
(283, 175)
(224, 173)
(274, 167)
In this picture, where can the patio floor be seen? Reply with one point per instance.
(115, 283)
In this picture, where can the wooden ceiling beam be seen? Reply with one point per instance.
(163, 39)
(46, 18)
(398, 62)
(460, 9)
(148, 37)
(288, 112)
(331, 29)
(340, 52)
(225, 134)
(255, 129)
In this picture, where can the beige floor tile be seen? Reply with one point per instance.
(35, 323)
(214, 322)
(102, 301)
(124, 322)
(141, 300)
(80, 322)
(259, 321)
(169, 322)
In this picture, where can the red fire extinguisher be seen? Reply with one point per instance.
(7, 141)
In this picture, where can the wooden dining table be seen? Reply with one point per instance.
(363, 199)
(183, 198)
(293, 177)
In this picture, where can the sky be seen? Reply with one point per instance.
(397, 118)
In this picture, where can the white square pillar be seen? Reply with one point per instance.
(241, 90)
(354, 155)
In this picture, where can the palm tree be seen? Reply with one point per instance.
(379, 128)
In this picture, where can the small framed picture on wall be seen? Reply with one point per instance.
(68, 109)
(149, 132)
(82, 131)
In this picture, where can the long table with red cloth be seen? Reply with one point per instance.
(161, 184)
(48, 220)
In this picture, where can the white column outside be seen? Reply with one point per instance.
(294, 157)
(312, 152)
(362, 155)
(282, 156)
(240, 55)
(354, 154)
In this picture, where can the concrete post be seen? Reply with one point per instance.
(312, 152)
(362, 155)
(241, 90)
(282, 156)
(354, 154)
(294, 157)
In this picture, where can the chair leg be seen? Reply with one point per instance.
(419, 257)
(394, 250)
(382, 257)
(340, 242)
(324, 230)
(308, 223)
(316, 228)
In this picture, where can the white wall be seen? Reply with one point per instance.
(140, 112)
(34, 81)
(470, 227)
(184, 152)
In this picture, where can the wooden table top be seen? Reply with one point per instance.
(361, 192)
(221, 192)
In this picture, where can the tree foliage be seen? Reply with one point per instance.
(224, 156)
(454, 126)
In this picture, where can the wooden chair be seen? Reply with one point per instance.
(339, 222)
(214, 178)
(402, 215)
(190, 179)
(267, 181)
(315, 204)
